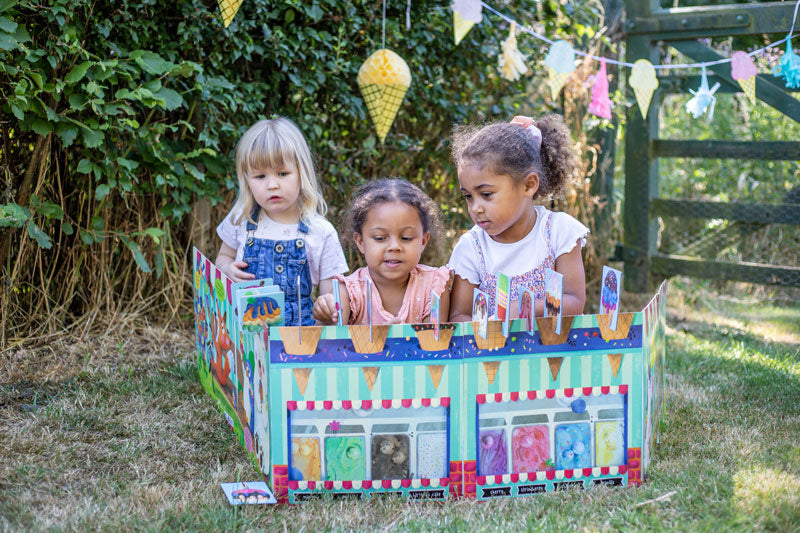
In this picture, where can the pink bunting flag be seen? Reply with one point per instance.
(601, 103)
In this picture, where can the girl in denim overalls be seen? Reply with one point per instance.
(276, 229)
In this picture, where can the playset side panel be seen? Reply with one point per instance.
(337, 396)
(502, 384)
(217, 342)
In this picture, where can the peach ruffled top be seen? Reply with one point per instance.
(416, 306)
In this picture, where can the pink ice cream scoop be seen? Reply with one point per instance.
(742, 66)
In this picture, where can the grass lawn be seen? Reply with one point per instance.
(119, 434)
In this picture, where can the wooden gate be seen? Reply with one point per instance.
(648, 27)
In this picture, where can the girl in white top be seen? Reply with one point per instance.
(502, 168)
(277, 228)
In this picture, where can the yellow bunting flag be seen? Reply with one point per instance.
(644, 82)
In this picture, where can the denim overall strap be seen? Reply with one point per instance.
(283, 261)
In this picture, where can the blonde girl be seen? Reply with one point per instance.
(276, 229)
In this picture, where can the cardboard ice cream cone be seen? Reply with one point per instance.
(555, 366)
(427, 341)
(436, 374)
(547, 329)
(370, 375)
(360, 336)
(490, 368)
(615, 359)
(301, 377)
(624, 321)
(749, 88)
(305, 346)
(494, 336)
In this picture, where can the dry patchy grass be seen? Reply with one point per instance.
(116, 433)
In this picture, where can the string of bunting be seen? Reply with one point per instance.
(560, 64)
(384, 77)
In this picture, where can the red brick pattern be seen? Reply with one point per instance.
(280, 482)
(469, 478)
(634, 466)
(456, 479)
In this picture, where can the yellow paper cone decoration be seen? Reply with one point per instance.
(491, 370)
(228, 9)
(615, 359)
(370, 374)
(644, 82)
(555, 366)
(436, 374)
(301, 377)
(556, 80)
(749, 88)
(383, 79)
(461, 26)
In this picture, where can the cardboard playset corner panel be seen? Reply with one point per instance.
(352, 411)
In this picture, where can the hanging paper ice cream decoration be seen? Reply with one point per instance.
(512, 61)
(384, 79)
(744, 70)
(788, 67)
(704, 98)
(466, 13)
(560, 62)
(644, 82)
(601, 103)
(228, 9)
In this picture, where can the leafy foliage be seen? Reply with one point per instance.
(119, 116)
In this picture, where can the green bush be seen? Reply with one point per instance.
(119, 116)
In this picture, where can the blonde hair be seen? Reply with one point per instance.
(272, 144)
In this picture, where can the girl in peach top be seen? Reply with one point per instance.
(390, 221)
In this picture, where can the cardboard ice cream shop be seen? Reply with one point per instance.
(351, 411)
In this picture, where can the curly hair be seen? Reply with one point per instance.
(511, 150)
(387, 190)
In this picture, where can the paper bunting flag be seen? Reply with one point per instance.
(512, 62)
(466, 13)
(228, 9)
(788, 67)
(601, 103)
(644, 83)
(560, 62)
(744, 70)
(384, 79)
(704, 98)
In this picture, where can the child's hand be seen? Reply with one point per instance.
(235, 271)
(325, 309)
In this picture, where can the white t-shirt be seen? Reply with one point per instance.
(325, 255)
(524, 261)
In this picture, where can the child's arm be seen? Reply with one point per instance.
(325, 311)
(461, 300)
(570, 265)
(226, 261)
